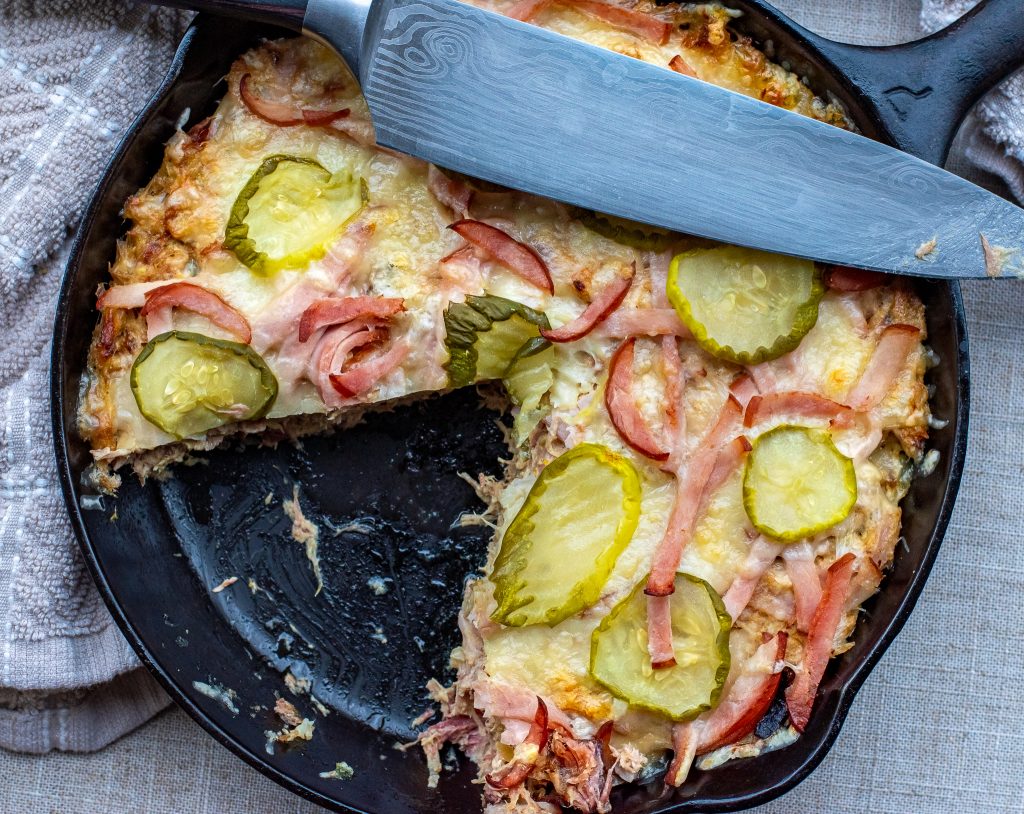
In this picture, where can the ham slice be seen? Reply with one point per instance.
(526, 10)
(199, 300)
(691, 481)
(803, 573)
(603, 304)
(818, 647)
(747, 698)
(516, 256)
(842, 278)
(283, 114)
(659, 632)
(333, 350)
(339, 310)
(159, 322)
(519, 768)
(680, 65)
(495, 699)
(743, 388)
(449, 191)
(644, 322)
(128, 296)
(887, 362)
(642, 25)
(360, 378)
(684, 747)
(759, 559)
(622, 407)
(792, 404)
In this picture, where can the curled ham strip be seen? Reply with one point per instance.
(132, 295)
(841, 278)
(743, 388)
(792, 404)
(338, 310)
(659, 632)
(818, 647)
(747, 699)
(508, 251)
(200, 301)
(622, 408)
(334, 348)
(361, 377)
(282, 114)
(450, 192)
(729, 458)
(526, 755)
(498, 700)
(159, 322)
(644, 322)
(803, 573)
(602, 305)
(894, 348)
(684, 747)
(526, 10)
(759, 559)
(643, 25)
(679, 65)
(691, 482)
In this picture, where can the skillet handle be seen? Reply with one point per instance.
(285, 13)
(922, 90)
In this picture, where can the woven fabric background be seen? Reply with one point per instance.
(939, 726)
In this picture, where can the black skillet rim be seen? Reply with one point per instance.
(58, 401)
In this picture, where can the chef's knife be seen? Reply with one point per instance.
(514, 104)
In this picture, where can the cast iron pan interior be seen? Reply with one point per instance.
(387, 498)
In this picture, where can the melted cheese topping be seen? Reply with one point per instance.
(394, 250)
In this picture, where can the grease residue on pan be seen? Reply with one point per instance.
(387, 497)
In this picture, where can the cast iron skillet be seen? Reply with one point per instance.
(390, 491)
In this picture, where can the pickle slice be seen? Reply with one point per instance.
(796, 483)
(187, 383)
(289, 213)
(619, 658)
(743, 305)
(527, 381)
(627, 232)
(485, 335)
(558, 552)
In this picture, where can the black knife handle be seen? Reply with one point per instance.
(923, 89)
(285, 13)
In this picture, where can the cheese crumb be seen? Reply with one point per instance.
(225, 584)
(305, 531)
(926, 248)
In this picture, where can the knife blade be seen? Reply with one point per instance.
(526, 108)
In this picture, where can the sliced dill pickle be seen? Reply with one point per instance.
(558, 552)
(485, 335)
(626, 232)
(744, 305)
(619, 658)
(289, 213)
(527, 381)
(187, 383)
(796, 483)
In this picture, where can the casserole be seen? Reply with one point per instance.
(208, 653)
